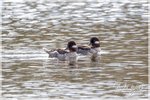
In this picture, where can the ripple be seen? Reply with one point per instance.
(29, 26)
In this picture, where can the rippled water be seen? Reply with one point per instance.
(121, 26)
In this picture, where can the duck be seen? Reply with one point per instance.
(69, 55)
(93, 49)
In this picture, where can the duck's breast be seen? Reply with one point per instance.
(72, 58)
(95, 50)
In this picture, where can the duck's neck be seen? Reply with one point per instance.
(97, 49)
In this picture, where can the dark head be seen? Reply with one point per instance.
(72, 46)
(95, 42)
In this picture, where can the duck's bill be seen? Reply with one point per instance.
(89, 44)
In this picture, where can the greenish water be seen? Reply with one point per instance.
(121, 26)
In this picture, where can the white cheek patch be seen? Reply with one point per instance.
(74, 46)
(96, 42)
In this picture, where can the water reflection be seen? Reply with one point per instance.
(122, 28)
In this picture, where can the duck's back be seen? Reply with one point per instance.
(84, 50)
(57, 53)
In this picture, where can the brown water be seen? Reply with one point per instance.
(121, 26)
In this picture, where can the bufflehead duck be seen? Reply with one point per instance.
(94, 49)
(64, 55)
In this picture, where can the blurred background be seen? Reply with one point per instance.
(121, 26)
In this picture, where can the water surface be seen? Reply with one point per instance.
(121, 26)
